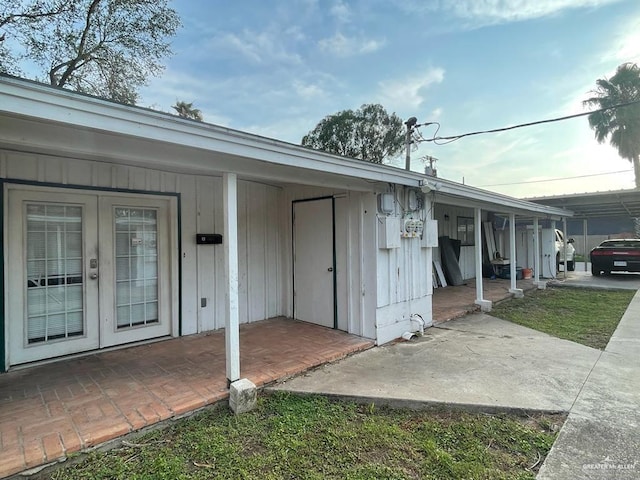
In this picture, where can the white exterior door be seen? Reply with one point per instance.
(313, 262)
(85, 271)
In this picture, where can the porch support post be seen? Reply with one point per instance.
(564, 248)
(512, 257)
(232, 329)
(485, 305)
(536, 255)
(584, 235)
(553, 268)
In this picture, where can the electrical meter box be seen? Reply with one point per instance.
(388, 232)
(429, 234)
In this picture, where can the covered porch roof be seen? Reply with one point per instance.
(452, 193)
(62, 122)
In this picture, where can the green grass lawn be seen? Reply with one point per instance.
(584, 316)
(292, 437)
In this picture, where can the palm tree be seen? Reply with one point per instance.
(620, 125)
(186, 110)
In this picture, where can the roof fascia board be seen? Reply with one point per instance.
(445, 190)
(49, 104)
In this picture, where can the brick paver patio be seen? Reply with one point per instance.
(50, 411)
(454, 302)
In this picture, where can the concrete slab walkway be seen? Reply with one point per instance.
(475, 360)
(484, 363)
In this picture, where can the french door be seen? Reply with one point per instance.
(85, 271)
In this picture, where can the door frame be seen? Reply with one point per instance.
(333, 248)
(175, 246)
(17, 303)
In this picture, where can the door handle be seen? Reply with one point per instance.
(93, 276)
(330, 269)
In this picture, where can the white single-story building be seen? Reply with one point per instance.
(122, 224)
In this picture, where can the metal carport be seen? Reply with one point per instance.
(585, 206)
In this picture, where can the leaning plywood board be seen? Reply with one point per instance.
(441, 278)
(490, 240)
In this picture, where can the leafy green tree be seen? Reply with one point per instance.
(621, 126)
(15, 17)
(368, 133)
(102, 47)
(186, 110)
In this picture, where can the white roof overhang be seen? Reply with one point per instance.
(38, 118)
(60, 122)
(452, 193)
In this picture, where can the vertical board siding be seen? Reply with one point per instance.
(187, 187)
(369, 273)
(207, 284)
(350, 246)
(468, 262)
(403, 272)
(342, 222)
(260, 229)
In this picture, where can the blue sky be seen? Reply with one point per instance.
(276, 68)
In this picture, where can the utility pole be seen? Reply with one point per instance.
(410, 123)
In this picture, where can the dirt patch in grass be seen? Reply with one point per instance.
(584, 316)
(289, 436)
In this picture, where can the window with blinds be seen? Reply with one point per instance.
(136, 266)
(54, 272)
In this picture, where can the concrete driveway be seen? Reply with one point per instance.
(582, 278)
(476, 360)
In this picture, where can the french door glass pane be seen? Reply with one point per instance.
(136, 266)
(54, 272)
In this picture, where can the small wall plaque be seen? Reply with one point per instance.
(208, 238)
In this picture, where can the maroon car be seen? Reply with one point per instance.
(621, 255)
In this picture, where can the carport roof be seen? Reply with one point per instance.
(614, 203)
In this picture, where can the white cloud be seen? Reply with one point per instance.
(258, 47)
(408, 93)
(340, 11)
(510, 10)
(626, 45)
(177, 86)
(343, 46)
(498, 11)
(307, 90)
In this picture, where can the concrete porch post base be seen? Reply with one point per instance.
(485, 305)
(541, 285)
(243, 396)
(517, 292)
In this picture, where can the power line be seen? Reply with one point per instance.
(453, 138)
(556, 179)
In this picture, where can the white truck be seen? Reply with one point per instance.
(569, 262)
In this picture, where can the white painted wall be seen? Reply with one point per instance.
(354, 224)
(404, 280)
(377, 289)
(261, 277)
